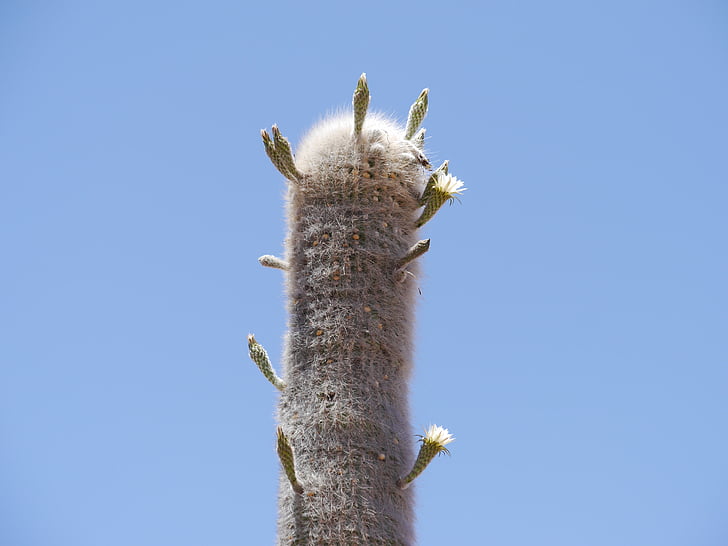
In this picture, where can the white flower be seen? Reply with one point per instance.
(438, 435)
(448, 185)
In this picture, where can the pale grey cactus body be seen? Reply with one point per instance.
(354, 204)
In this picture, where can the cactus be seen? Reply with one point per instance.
(359, 189)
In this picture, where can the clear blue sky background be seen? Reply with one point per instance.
(573, 324)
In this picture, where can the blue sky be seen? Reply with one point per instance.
(572, 329)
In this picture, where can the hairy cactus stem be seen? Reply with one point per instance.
(352, 215)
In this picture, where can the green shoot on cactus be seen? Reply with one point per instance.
(417, 250)
(283, 150)
(273, 261)
(270, 148)
(433, 443)
(445, 188)
(279, 152)
(285, 454)
(417, 113)
(419, 138)
(360, 103)
(259, 355)
(442, 169)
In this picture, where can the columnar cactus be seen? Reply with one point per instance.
(359, 189)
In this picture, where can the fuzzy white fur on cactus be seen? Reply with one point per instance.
(356, 193)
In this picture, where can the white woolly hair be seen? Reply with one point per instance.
(331, 142)
(336, 132)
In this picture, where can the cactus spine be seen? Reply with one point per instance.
(356, 198)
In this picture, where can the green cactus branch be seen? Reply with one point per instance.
(442, 169)
(279, 151)
(445, 188)
(259, 355)
(360, 102)
(417, 113)
(433, 443)
(415, 251)
(419, 138)
(273, 261)
(285, 454)
(285, 155)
